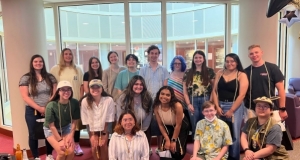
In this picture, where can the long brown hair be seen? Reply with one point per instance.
(128, 101)
(90, 99)
(33, 81)
(120, 130)
(192, 71)
(62, 63)
(91, 72)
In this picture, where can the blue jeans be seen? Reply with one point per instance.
(197, 115)
(33, 143)
(234, 149)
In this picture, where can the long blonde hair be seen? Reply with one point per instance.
(62, 63)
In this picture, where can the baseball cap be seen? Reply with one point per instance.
(63, 84)
(96, 82)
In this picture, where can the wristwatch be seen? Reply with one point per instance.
(174, 140)
(282, 108)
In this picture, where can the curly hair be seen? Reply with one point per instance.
(120, 130)
(182, 61)
(128, 94)
(173, 99)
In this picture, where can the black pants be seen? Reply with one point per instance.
(33, 143)
(183, 134)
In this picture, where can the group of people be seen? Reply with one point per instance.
(132, 105)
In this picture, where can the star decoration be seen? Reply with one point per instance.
(290, 17)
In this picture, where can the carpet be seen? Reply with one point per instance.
(7, 147)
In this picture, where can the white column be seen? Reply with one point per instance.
(293, 52)
(256, 28)
(25, 35)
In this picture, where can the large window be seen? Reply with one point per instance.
(93, 30)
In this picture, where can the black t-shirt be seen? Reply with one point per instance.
(260, 85)
(86, 77)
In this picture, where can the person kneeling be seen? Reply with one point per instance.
(261, 136)
(212, 136)
(62, 114)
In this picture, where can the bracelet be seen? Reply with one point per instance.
(59, 140)
(246, 149)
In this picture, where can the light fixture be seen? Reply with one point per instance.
(85, 23)
(84, 45)
(219, 40)
(195, 20)
(123, 22)
(50, 44)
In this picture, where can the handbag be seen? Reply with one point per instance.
(287, 140)
(38, 129)
(164, 154)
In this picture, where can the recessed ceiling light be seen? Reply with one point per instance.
(85, 23)
(50, 44)
(123, 22)
(219, 40)
(195, 20)
(117, 45)
(84, 45)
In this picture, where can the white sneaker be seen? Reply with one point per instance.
(78, 151)
(49, 157)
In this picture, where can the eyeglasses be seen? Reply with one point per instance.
(177, 64)
(209, 111)
(65, 90)
(262, 107)
(229, 62)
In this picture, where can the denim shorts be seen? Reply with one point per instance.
(65, 130)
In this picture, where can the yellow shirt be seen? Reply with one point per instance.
(69, 74)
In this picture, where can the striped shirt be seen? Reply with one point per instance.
(176, 84)
(43, 89)
(154, 79)
(98, 115)
(122, 149)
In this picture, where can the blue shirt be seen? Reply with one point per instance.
(123, 79)
(154, 79)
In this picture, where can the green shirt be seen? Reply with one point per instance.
(52, 113)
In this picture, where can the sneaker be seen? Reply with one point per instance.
(156, 151)
(49, 157)
(150, 151)
(37, 159)
(78, 151)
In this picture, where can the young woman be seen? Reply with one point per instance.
(128, 142)
(97, 110)
(261, 136)
(111, 73)
(178, 68)
(171, 121)
(62, 114)
(36, 87)
(197, 86)
(67, 70)
(212, 137)
(94, 72)
(137, 99)
(125, 76)
(230, 88)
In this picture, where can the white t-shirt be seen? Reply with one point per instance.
(98, 115)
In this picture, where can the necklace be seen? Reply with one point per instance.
(128, 146)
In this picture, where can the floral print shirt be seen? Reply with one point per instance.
(197, 89)
(212, 136)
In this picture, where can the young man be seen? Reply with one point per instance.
(155, 76)
(263, 78)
